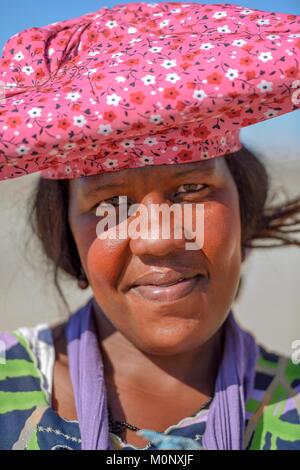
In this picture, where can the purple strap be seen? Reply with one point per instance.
(226, 418)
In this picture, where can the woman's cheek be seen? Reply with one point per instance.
(222, 236)
(105, 259)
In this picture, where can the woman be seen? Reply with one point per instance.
(155, 359)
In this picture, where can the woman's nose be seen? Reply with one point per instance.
(160, 230)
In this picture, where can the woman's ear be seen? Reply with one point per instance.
(82, 280)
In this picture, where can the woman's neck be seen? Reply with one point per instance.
(132, 368)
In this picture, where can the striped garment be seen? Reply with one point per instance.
(27, 420)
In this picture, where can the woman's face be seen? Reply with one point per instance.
(131, 276)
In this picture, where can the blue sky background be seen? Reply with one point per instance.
(282, 133)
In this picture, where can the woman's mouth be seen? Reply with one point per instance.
(172, 291)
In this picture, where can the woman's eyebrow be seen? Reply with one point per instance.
(207, 170)
(88, 191)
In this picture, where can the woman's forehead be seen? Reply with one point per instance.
(150, 171)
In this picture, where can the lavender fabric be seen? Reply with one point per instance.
(226, 418)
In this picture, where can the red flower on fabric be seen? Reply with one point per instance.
(5, 63)
(298, 44)
(136, 126)
(170, 142)
(14, 121)
(36, 37)
(247, 47)
(63, 124)
(137, 97)
(93, 36)
(96, 77)
(40, 143)
(62, 42)
(131, 62)
(76, 107)
(171, 93)
(39, 73)
(185, 65)
(184, 155)
(248, 122)
(246, 61)
(188, 56)
(292, 72)
(214, 78)
(251, 74)
(109, 116)
(180, 105)
(191, 85)
(202, 132)
(232, 113)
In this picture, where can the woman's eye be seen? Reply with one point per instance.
(190, 188)
(116, 201)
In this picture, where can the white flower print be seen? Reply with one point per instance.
(169, 63)
(51, 51)
(35, 112)
(111, 24)
(79, 121)
(104, 129)
(199, 95)
(93, 53)
(22, 150)
(68, 169)
(146, 160)
(155, 49)
(128, 143)
(90, 71)
(219, 14)
(172, 77)
(19, 56)
(113, 99)
(109, 163)
(17, 102)
(265, 86)
(246, 12)
(73, 96)
(164, 23)
(70, 145)
(232, 74)
(150, 141)
(294, 36)
(271, 113)
(206, 46)
(28, 70)
(156, 118)
(149, 79)
(131, 30)
(263, 22)
(265, 56)
(224, 29)
(239, 42)
(116, 55)
(273, 36)
(120, 79)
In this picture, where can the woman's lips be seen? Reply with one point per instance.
(171, 292)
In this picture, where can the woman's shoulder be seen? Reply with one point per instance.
(27, 419)
(27, 353)
(273, 408)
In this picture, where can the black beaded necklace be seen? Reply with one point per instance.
(117, 427)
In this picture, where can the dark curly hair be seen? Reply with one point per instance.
(263, 224)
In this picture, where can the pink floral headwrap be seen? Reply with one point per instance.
(141, 84)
